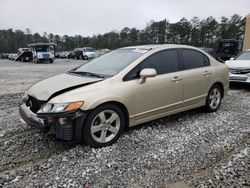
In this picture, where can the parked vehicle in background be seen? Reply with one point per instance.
(63, 55)
(227, 48)
(12, 56)
(101, 52)
(239, 68)
(126, 87)
(210, 51)
(24, 54)
(42, 52)
(57, 55)
(4, 56)
(84, 53)
(70, 55)
(21, 50)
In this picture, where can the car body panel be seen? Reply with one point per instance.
(44, 89)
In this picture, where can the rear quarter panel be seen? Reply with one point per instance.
(221, 74)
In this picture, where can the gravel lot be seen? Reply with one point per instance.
(189, 149)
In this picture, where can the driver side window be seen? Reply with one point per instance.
(163, 62)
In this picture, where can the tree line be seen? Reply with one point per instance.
(195, 32)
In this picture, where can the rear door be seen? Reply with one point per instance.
(197, 76)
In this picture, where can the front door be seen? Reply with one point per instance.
(160, 94)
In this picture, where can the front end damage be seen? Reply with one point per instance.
(64, 125)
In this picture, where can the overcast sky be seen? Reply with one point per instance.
(88, 17)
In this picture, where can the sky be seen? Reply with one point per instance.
(89, 17)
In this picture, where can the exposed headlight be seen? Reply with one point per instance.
(60, 107)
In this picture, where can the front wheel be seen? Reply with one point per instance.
(103, 126)
(214, 98)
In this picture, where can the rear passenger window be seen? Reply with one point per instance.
(194, 59)
(163, 62)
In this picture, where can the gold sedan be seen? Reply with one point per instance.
(125, 87)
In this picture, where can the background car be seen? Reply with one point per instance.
(84, 53)
(4, 56)
(63, 55)
(12, 56)
(239, 68)
(70, 55)
(126, 87)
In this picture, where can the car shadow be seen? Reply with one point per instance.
(240, 86)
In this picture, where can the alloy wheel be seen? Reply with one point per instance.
(215, 98)
(105, 126)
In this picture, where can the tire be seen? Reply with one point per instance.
(97, 131)
(214, 98)
(86, 57)
(35, 60)
(51, 60)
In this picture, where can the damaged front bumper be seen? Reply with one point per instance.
(63, 125)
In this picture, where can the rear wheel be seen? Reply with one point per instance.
(103, 126)
(214, 98)
(35, 60)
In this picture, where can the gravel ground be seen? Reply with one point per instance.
(189, 149)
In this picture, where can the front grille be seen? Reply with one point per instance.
(239, 78)
(45, 55)
(239, 71)
(34, 104)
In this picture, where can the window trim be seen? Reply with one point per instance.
(182, 61)
(125, 79)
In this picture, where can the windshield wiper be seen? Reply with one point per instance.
(87, 74)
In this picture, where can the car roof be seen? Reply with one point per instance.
(155, 46)
(42, 44)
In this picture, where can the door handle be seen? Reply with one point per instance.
(176, 79)
(206, 73)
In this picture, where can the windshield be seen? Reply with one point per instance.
(112, 62)
(88, 50)
(42, 48)
(244, 56)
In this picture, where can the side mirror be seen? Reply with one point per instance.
(146, 73)
(231, 58)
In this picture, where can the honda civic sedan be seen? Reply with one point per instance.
(95, 102)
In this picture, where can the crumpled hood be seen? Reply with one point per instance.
(238, 64)
(44, 89)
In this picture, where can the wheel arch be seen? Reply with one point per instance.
(220, 84)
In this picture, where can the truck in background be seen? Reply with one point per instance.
(42, 52)
(227, 49)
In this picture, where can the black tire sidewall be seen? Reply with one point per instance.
(208, 108)
(87, 137)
